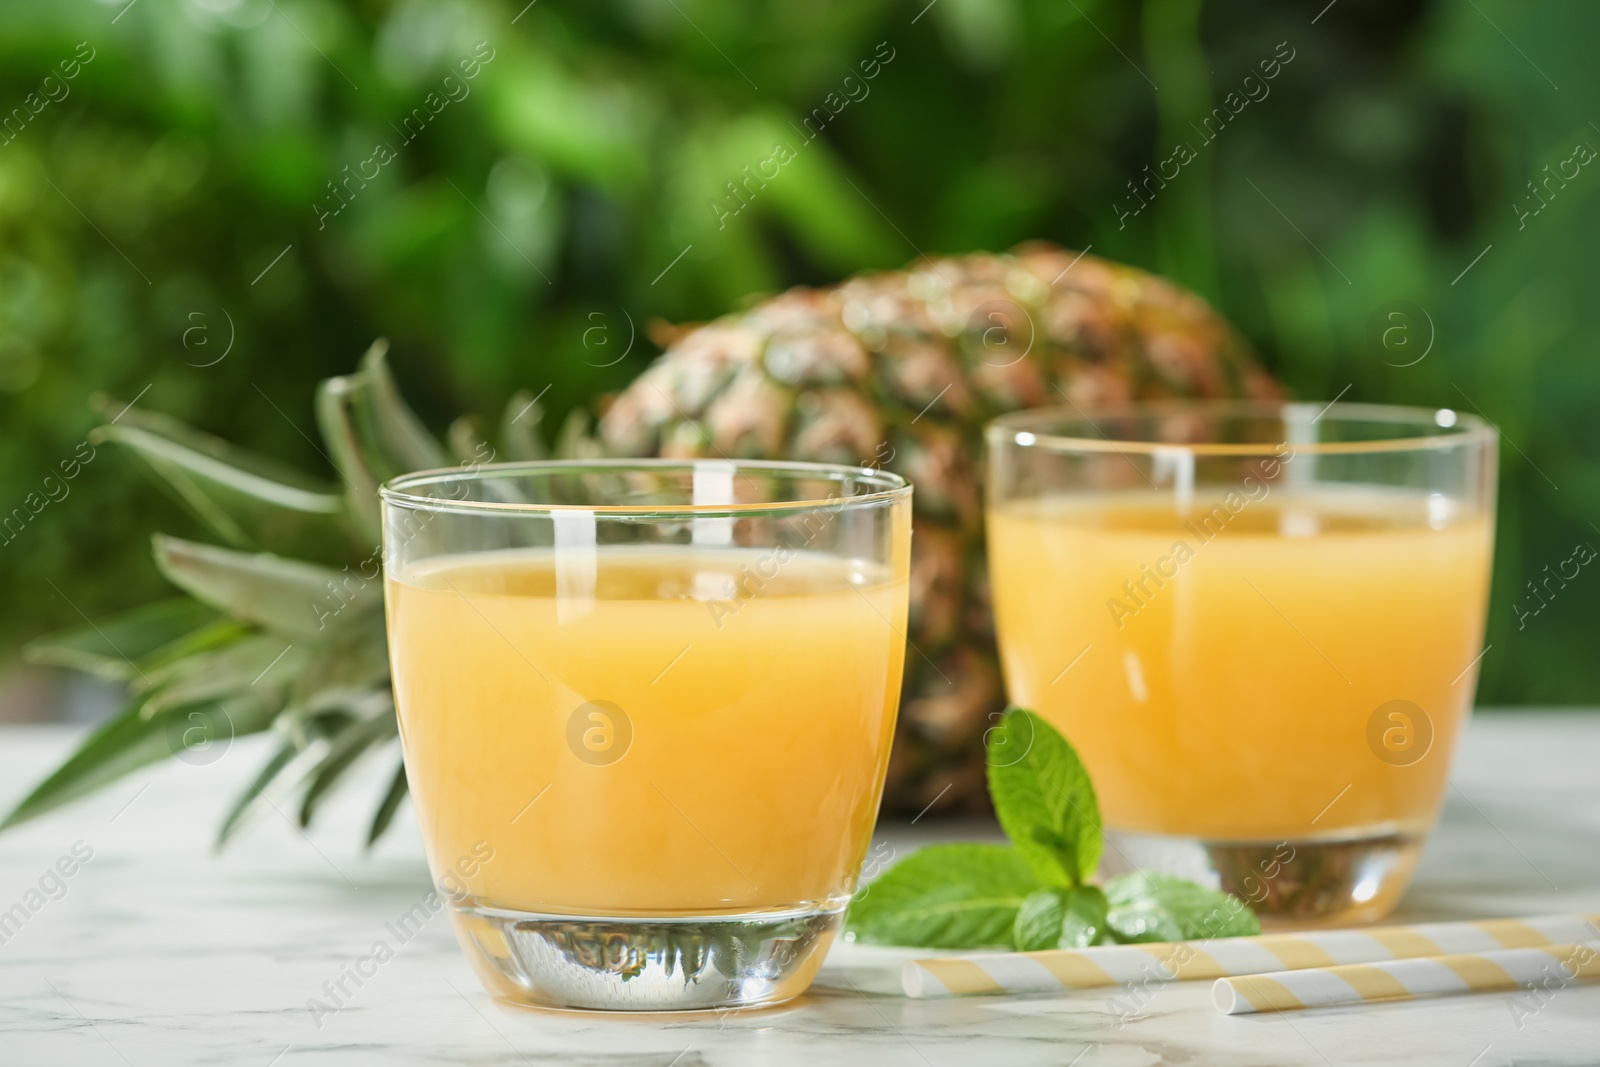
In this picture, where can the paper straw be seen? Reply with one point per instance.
(1358, 983)
(1111, 965)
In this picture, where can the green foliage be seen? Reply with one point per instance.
(283, 595)
(246, 500)
(201, 667)
(166, 225)
(1043, 799)
(945, 896)
(1150, 906)
(1034, 894)
(115, 648)
(1060, 918)
(141, 735)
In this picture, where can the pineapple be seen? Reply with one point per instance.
(901, 370)
(281, 629)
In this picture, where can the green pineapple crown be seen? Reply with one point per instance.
(281, 627)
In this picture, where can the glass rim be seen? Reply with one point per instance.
(1460, 429)
(395, 491)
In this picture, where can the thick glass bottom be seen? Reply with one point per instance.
(1329, 881)
(624, 964)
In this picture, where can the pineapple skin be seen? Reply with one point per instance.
(901, 370)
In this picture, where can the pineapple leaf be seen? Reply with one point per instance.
(212, 635)
(203, 444)
(473, 450)
(339, 432)
(247, 800)
(574, 441)
(390, 804)
(238, 666)
(140, 736)
(243, 508)
(342, 755)
(392, 431)
(121, 647)
(519, 427)
(289, 596)
(354, 661)
(307, 735)
(306, 726)
(467, 443)
(373, 434)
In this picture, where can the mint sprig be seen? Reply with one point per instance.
(946, 896)
(1036, 893)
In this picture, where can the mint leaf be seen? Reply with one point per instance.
(1150, 906)
(1060, 918)
(944, 896)
(1085, 923)
(1044, 798)
(1039, 919)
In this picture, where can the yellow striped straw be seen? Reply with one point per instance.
(1112, 965)
(1360, 983)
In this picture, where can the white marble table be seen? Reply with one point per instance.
(160, 953)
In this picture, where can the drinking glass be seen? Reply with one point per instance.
(646, 708)
(1258, 622)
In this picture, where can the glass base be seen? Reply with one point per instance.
(1332, 881)
(615, 964)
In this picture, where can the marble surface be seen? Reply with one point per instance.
(156, 951)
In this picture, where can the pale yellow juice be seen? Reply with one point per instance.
(1219, 669)
(760, 698)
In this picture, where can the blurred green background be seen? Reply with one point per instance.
(163, 230)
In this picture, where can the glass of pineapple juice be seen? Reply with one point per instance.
(646, 708)
(1258, 622)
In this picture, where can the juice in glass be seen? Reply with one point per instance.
(723, 729)
(1229, 701)
(646, 708)
(1274, 666)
